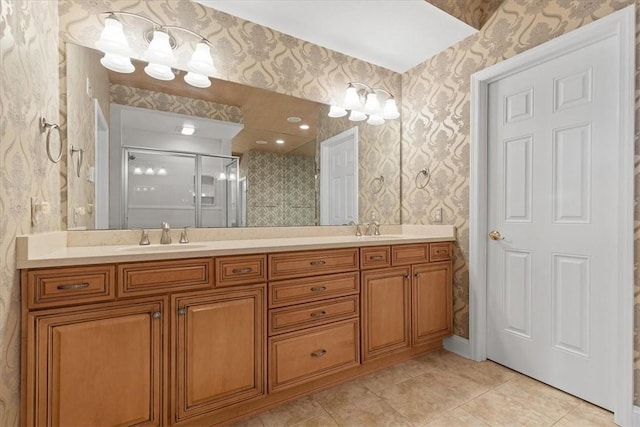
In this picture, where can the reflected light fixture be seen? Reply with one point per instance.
(162, 172)
(279, 141)
(187, 129)
(159, 54)
(304, 127)
(362, 102)
(149, 171)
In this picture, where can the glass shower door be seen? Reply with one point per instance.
(159, 187)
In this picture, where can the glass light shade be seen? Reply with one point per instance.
(197, 80)
(201, 61)
(112, 38)
(117, 63)
(375, 120)
(149, 171)
(336, 111)
(357, 116)
(223, 176)
(161, 172)
(351, 99)
(137, 171)
(159, 71)
(390, 111)
(159, 50)
(372, 106)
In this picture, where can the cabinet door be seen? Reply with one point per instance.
(432, 302)
(96, 365)
(220, 349)
(385, 311)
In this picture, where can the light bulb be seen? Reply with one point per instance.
(357, 116)
(201, 61)
(159, 71)
(117, 63)
(351, 98)
(197, 80)
(112, 38)
(390, 111)
(336, 111)
(375, 120)
(372, 106)
(159, 50)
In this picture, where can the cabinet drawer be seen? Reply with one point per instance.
(409, 254)
(311, 289)
(145, 278)
(61, 286)
(440, 251)
(375, 257)
(300, 264)
(288, 319)
(241, 270)
(306, 355)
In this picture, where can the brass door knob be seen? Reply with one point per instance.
(495, 235)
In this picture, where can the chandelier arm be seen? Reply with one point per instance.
(186, 30)
(135, 15)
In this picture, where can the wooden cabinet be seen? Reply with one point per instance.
(219, 350)
(98, 365)
(431, 314)
(386, 311)
(312, 263)
(240, 270)
(154, 277)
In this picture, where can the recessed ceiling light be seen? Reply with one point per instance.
(279, 141)
(304, 127)
(294, 119)
(261, 142)
(187, 129)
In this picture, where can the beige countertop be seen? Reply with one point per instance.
(100, 247)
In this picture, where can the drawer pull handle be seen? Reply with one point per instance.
(318, 313)
(242, 270)
(319, 353)
(318, 262)
(441, 251)
(74, 286)
(376, 258)
(319, 289)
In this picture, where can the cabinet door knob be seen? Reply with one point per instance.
(156, 315)
(417, 275)
(319, 353)
(182, 311)
(406, 276)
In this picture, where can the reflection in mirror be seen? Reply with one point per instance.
(234, 133)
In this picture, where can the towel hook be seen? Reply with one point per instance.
(427, 177)
(80, 152)
(46, 127)
(375, 186)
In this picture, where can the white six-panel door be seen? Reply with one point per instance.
(552, 177)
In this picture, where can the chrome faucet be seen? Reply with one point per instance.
(358, 231)
(183, 236)
(165, 239)
(144, 237)
(376, 229)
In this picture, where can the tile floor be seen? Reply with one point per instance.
(437, 389)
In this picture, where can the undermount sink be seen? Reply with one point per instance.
(382, 236)
(162, 248)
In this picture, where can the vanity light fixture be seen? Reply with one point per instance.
(149, 171)
(304, 127)
(279, 141)
(162, 172)
(159, 54)
(261, 142)
(137, 171)
(366, 103)
(223, 176)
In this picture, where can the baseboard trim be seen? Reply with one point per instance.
(458, 345)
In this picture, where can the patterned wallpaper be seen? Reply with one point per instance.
(152, 100)
(436, 117)
(28, 89)
(280, 189)
(473, 12)
(377, 146)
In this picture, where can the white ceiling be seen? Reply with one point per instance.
(394, 34)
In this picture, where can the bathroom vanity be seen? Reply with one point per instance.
(206, 333)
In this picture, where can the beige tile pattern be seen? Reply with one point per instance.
(437, 390)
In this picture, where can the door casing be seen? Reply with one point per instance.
(620, 25)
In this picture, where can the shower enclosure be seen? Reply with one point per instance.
(183, 189)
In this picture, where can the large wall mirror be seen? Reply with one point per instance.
(143, 151)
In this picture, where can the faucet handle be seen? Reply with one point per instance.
(144, 237)
(183, 235)
(164, 225)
